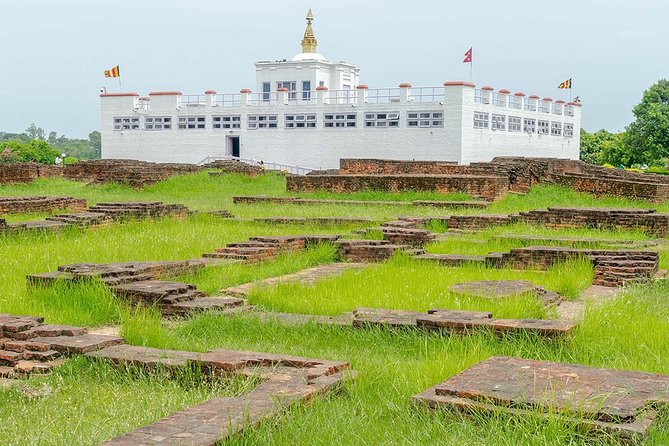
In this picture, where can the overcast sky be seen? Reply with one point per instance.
(53, 53)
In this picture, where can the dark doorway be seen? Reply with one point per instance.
(233, 146)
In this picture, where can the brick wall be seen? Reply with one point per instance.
(27, 172)
(486, 187)
(135, 173)
(15, 205)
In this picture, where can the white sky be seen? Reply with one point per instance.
(53, 53)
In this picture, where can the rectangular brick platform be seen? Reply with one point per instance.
(27, 345)
(16, 205)
(250, 199)
(458, 321)
(489, 187)
(618, 401)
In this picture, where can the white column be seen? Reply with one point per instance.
(210, 97)
(246, 96)
(362, 94)
(405, 92)
(321, 94)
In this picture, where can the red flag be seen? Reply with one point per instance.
(468, 56)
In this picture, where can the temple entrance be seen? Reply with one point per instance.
(232, 146)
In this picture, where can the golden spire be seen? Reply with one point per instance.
(309, 41)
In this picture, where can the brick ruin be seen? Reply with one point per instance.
(621, 402)
(252, 199)
(100, 214)
(27, 345)
(34, 204)
(132, 172)
(647, 220)
(612, 267)
(489, 181)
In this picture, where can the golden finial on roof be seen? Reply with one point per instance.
(309, 41)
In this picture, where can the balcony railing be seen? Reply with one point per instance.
(193, 100)
(228, 100)
(383, 95)
(427, 94)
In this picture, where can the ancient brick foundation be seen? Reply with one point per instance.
(615, 401)
(27, 172)
(522, 173)
(16, 205)
(134, 173)
(485, 187)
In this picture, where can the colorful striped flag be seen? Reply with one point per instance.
(113, 72)
(566, 85)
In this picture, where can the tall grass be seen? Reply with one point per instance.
(413, 285)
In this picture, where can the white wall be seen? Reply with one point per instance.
(322, 147)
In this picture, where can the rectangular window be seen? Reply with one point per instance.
(266, 89)
(191, 122)
(557, 108)
(543, 127)
(498, 122)
(514, 123)
(291, 86)
(425, 119)
(306, 90)
(529, 125)
(333, 120)
(480, 120)
(530, 104)
(302, 121)
(514, 102)
(157, 123)
(227, 122)
(568, 130)
(556, 128)
(126, 123)
(569, 110)
(262, 122)
(383, 119)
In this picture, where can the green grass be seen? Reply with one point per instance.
(627, 333)
(85, 402)
(414, 285)
(91, 402)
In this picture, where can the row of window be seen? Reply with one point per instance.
(530, 104)
(292, 121)
(483, 120)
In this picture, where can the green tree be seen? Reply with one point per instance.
(35, 132)
(35, 150)
(647, 138)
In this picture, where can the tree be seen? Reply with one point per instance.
(95, 140)
(35, 132)
(647, 137)
(36, 150)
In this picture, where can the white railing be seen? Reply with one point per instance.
(193, 100)
(228, 100)
(268, 165)
(302, 97)
(265, 98)
(383, 95)
(427, 94)
(341, 96)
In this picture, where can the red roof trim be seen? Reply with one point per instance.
(322, 88)
(165, 93)
(578, 104)
(547, 99)
(520, 93)
(405, 85)
(117, 95)
(458, 84)
(504, 91)
(209, 91)
(282, 89)
(362, 87)
(246, 90)
(559, 101)
(487, 88)
(534, 96)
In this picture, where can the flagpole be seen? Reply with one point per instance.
(120, 89)
(471, 69)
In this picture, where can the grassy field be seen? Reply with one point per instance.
(83, 402)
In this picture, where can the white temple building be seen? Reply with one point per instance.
(310, 112)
